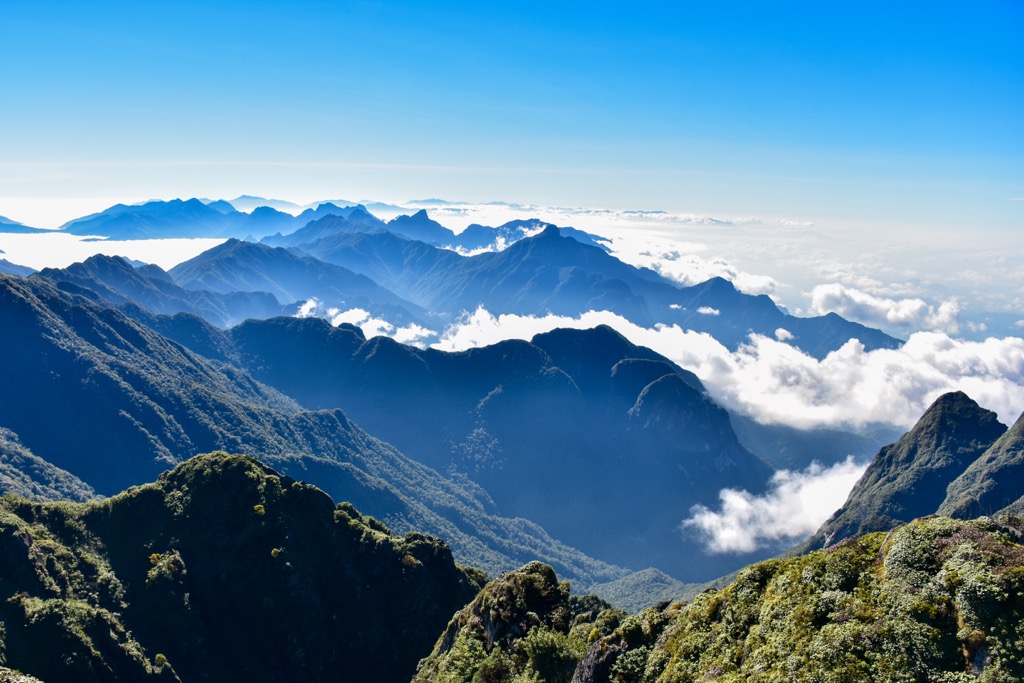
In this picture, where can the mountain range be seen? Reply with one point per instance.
(112, 402)
(552, 273)
(574, 454)
(624, 422)
(420, 275)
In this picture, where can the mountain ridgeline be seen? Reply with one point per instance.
(626, 424)
(416, 277)
(112, 403)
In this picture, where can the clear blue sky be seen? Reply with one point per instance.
(880, 112)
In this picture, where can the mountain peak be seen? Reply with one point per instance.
(950, 418)
(909, 478)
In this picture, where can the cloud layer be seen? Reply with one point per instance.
(901, 314)
(777, 383)
(364, 320)
(796, 504)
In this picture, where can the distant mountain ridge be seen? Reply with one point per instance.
(119, 283)
(9, 226)
(192, 218)
(239, 266)
(535, 268)
(552, 273)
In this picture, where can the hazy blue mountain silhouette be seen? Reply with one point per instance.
(157, 219)
(324, 221)
(9, 226)
(191, 218)
(551, 273)
(477, 236)
(419, 226)
(250, 203)
(239, 266)
(118, 282)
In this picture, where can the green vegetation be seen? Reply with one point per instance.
(29, 476)
(523, 626)
(645, 588)
(934, 600)
(180, 578)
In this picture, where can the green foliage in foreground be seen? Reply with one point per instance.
(935, 600)
(522, 627)
(221, 570)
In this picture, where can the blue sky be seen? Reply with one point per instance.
(883, 113)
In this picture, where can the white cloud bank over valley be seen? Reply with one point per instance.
(796, 504)
(775, 382)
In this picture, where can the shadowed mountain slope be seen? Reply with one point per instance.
(992, 482)
(554, 429)
(113, 403)
(27, 475)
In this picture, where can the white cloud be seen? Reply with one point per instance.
(371, 326)
(796, 504)
(415, 335)
(309, 309)
(59, 250)
(682, 263)
(707, 310)
(783, 334)
(902, 314)
(775, 382)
